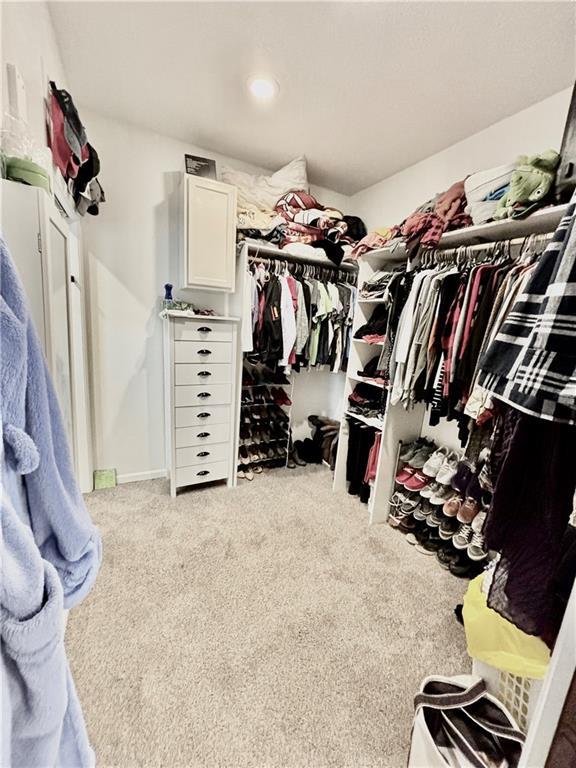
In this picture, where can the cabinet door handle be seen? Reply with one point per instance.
(204, 374)
(204, 352)
(204, 394)
(202, 454)
(204, 434)
(204, 329)
(203, 472)
(204, 415)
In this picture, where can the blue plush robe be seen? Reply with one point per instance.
(50, 551)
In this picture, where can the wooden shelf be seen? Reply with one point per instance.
(540, 222)
(387, 256)
(361, 380)
(371, 422)
(369, 343)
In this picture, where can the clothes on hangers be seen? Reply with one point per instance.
(531, 362)
(529, 368)
(440, 315)
(361, 439)
(304, 314)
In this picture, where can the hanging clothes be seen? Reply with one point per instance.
(298, 319)
(531, 363)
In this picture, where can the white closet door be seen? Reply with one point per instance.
(57, 273)
(210, 234)
(20, 227)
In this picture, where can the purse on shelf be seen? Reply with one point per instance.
(458, 724)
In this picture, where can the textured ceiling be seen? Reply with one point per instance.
(366, 89)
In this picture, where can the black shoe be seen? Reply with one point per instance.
(433, 542)
(297, 458)
(448, 528)
(446, 554)
(437, 517)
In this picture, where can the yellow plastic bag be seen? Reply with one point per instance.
(497, 642)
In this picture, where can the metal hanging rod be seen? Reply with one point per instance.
(258, 252)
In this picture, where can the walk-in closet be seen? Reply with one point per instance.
(288, 384)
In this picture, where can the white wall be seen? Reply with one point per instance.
(534, 129)
(29, 42)
(128, 263)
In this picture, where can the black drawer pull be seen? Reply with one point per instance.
(204, 415)
(204, 374)
(202, 454)
(204, 351)
(204, 329)
(204, 434)
(204, 394)
(203, 472)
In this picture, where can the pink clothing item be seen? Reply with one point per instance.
(61, 153)
(450, 202)
(372, 464)
(371, 242)
(294, 293)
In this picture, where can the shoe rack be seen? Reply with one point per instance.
(265, 417)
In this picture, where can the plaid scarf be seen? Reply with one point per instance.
(531, 364)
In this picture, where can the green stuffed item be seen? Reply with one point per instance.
(530, 186)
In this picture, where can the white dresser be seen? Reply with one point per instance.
(201, 380)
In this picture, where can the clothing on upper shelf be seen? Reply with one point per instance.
(367, 400)
(297, 320)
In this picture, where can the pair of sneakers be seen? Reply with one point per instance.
(417, 453)
(437, 493)
(469, 536)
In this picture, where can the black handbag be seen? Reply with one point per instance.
(566, 172)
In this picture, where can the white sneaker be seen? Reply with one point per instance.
(448, 469)
(478, 522)
(432, 466)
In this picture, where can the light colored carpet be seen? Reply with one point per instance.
(262, 626)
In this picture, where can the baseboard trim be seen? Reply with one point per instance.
(134, 477)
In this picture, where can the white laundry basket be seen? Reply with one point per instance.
(518, 694)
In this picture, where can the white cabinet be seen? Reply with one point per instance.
(209, 257)
(46, 251)
(202, 370)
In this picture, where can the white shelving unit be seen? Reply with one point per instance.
(400, 425)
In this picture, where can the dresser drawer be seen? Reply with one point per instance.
(202, 415)
(217, 470)
(202, 330)
(217, 433)
(205, 394)
(202, 352)
(202, 454)
(202, 373)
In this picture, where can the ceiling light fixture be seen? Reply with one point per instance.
(263, 88)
